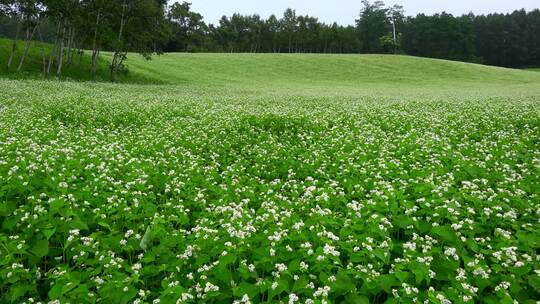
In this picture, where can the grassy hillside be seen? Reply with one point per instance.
(319, 68)
(314, 75)
(308, 73)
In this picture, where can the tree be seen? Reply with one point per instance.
(372, 25)
(440, 36)
(31, 11)
(289, 26)
(187, 28)
(95, 12)
(272, 25)
(136, 29)
(396, 16)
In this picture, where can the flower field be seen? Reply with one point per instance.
(133, 194)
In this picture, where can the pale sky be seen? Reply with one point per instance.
(346, 11)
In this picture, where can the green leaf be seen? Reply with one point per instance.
(56, 291)
(7, 208)
(56, 206)
(251, 290)
(387, 282)
(49, 233)
(76, 223)
(40, 248)
(357, 299)
(402, 276)
(344, 282)
(534, 281)
(445, 233)
(223, 274)
(402, 221)
(421, 273)
(17, 292)
(103, 224)
(300, 284)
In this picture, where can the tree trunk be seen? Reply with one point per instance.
(81, 53)
(61, 53)
(53, 49)
(116, 60)
(29, 36)
(71, 38)
(290, 43)
(95, 50)
(51, 60)
(15, 42)
(43, 60)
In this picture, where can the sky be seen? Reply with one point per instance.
(345, 12)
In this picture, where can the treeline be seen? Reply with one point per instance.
(151, 26)
(510, 40)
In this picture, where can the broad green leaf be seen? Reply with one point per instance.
(40, 248)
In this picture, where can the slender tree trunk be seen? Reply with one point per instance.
(116, 60)
(15, 42)
(81, 53)
(290, 43)
(29, 36)
(71, 42)
(51, 60)
(61, 53)
(43, 60)
(53, 49)
(95, 50)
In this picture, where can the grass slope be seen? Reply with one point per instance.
(321, 68)
(287, 72)
(311, 74)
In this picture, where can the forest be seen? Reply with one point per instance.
(153, 27)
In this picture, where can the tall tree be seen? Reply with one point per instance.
(136, 29)
(372, 25)
(31, 11)
(187, 28)
(289, 25)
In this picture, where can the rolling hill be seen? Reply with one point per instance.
(310, 74)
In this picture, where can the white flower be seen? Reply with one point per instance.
(330, 250)
(293, 298)
(281, 267)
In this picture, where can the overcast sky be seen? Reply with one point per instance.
(346, 11)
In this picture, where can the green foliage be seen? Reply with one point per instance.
(268, 178)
